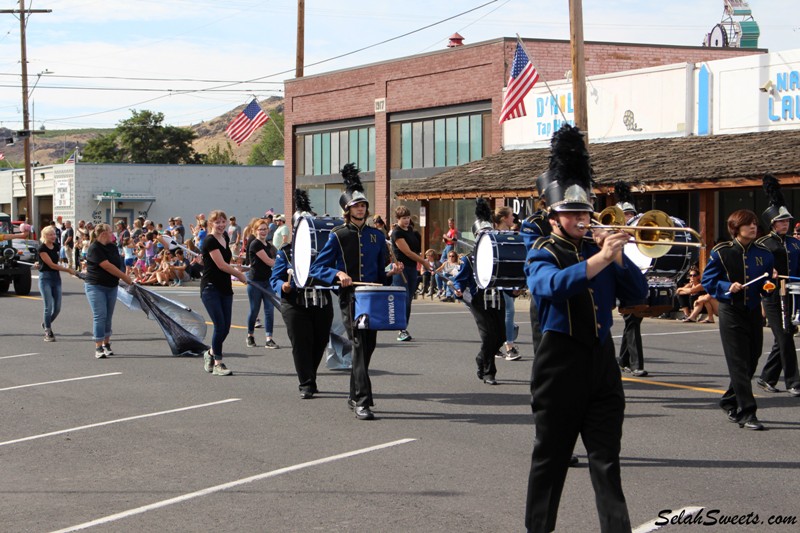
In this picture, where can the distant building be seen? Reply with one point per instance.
(111, 192)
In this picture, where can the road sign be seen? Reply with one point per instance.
(112, 194)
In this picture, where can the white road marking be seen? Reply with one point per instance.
(18, 355)
(229, 485)
(651, 526)
(117, 421)
(60, 381)
(673, 333)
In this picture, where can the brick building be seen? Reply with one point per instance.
(417, 116)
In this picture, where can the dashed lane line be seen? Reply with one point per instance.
(229, 485)
(117, 421)
(60, 381)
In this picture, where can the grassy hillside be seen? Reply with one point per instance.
(54, 146)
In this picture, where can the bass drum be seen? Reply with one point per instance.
(310, 235)
(674, 264)
(500, 260)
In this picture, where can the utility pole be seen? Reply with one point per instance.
(301, 37)
(578, 66)
(25, 120)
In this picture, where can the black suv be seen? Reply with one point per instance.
(10, 267)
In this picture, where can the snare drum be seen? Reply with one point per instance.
(500, 260)
(380, 308)
(310, 235)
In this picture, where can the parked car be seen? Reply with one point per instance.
(12, 252)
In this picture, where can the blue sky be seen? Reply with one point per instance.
(96, 48)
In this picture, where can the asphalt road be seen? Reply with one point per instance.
(143, 441)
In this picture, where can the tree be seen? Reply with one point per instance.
(102, 149)
(270, 147)
(220, 156)
(143, 139)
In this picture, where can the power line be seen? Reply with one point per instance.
(124, 78)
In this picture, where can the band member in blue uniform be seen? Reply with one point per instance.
(631, 352)
(731, 266)
(577, 387)
(355, 252)
(307, 312)
(486, 305)
(779, 309)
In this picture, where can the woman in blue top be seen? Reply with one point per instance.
(50, 280)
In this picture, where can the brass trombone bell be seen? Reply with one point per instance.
(653, 234)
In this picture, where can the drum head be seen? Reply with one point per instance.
(638, 258)
(484, 261)
(302, 246)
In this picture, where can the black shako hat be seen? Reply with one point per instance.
(624, 197)
(483, 217)
(777, 204)
(302, 205)
(567, 183)
(353, 189)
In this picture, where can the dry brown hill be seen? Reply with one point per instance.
(55, 145)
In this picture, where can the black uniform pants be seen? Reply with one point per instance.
(782, 356)
(309, 330)
(364, 342)
(576, 390)
(491, 323)
(741, 332)
(630, 349)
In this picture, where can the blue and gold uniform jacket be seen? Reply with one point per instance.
(567, 300)
(785, 252)
(731, 262)
(280, 271)
(464, 279)
(359, 252)
(533, 227)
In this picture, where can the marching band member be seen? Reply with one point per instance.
(576, 386)
(307, 313)
(731, 267)
(487, 306)
(355, 252)
(631, 352)
(786, 253)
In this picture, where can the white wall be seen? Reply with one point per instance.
(179, 190)
(670, 100)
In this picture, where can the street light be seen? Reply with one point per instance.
(33, 105)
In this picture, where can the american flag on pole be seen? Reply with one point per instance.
(523, 78)
(248, 121)
(71, 158)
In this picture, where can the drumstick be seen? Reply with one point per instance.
(762, 276)
(792, 278)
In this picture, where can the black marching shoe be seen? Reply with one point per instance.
(364, 413)
(573, 461)
(752, 423)
(489, 380)
(794, 391)
(351, 404)
(766, 386)
(306, 394)
(731, 415)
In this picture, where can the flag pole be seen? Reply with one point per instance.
(519, 41)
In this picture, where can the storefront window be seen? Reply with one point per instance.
(325, 153)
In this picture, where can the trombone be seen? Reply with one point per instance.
(653, 234)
